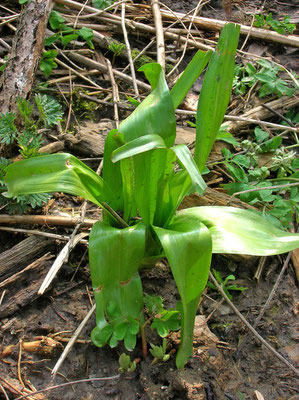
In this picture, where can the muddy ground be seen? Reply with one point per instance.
(216, 371)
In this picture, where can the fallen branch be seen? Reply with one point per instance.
(44, 220)
(103, 68)
(217, 25)
(133, 25)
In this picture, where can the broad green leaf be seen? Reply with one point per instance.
(56, 20)
(114, 257)
(239, 231)
(188, 247)
(185, 158)
(120, 330)
(151, 174)
(215, 93)
(152, 186)
(51, 39)
(179, 187)
(164, 204)
(111, 171)
(128, 179)
(226, 136)
(56, 173)
(138, 146)
(189, 76)
(66, 39)
(130, 341)
(155, 115)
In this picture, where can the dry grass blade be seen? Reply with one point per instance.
(72, 341)
(60, 260)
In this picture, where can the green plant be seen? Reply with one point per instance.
(267, 77)
(47, 62)
(226, 286)
(270, 183)
(140, 192)
(162, 320)
(159, 352)
(138, 60)
(101, 4)
(65, 35)
(125, 364)
(29, 141)
(116, 48)
(83, 108)
(282, 27)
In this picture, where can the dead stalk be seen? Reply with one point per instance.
(159, 33)
(128, 48)
(115, 94)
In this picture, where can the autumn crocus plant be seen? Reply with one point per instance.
(140, 192)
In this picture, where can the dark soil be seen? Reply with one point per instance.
(213, 372)
(216, 371)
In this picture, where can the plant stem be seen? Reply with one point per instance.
(283, 179)
(266, 188)
(114, 214)
(292, 146)
(143, 339)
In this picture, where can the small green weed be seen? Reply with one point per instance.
(266, 75)
(65, 35)
(283, 27)
(29, 141)
(47, 62)
(125, 364)
(159, 352)
(101, 4)
(226, 286)
(256, 181)
(162, 320)
(116, 48)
